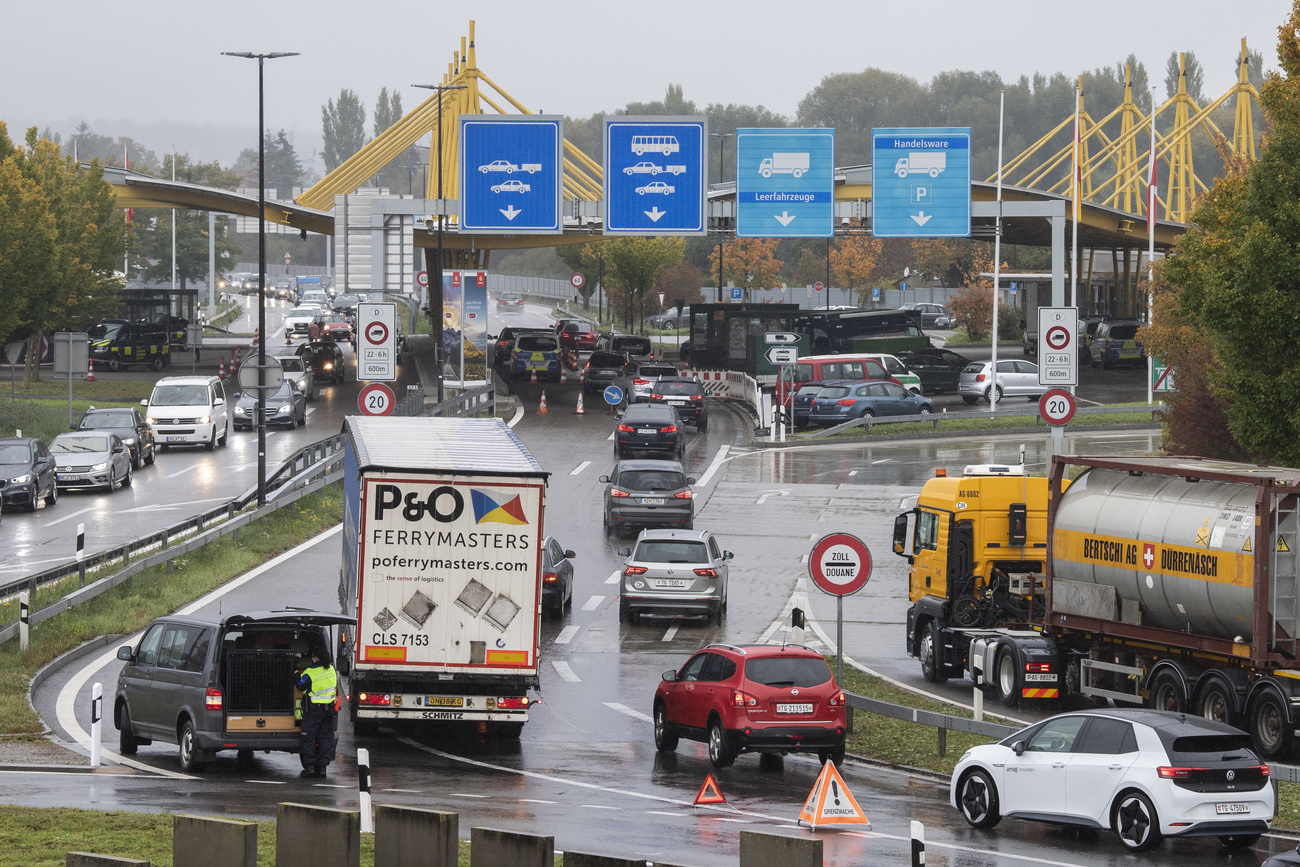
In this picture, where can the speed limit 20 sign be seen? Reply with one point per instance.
(1057, 407)
(376, 399)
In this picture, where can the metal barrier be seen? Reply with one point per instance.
(481, 400)
(935, 417)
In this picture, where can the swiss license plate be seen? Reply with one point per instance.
(794, 707)
(1040, 678)
(609, 373)
(646, 430)
(175, 439)
(443, 701)
(1231, 808)
(669, 582)
(652, 501)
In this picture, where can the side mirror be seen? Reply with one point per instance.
(569, 555)
(625, 552)
(219, 402)
(900, 534)
(727, 555)
(670, 676)
(144, 403)
(690, 480)
(125, 653)
(605, 479)
(1019, 747)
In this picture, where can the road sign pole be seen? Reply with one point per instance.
(839, 641)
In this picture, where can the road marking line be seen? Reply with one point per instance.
(188, 469)
(69, 517)
(725, 819)
(519, 413)
(564, 671)
(579, 468)
(852, 473)
(599, 807)
(611, 435)
(531, 800)
(465, 795)
(406, 791)
(671, 633)
(882, 461)
(666, 813)
(566, 634)
(266, 782)
(593, 603)
(622, 708)
(718, 460)
(613, 579)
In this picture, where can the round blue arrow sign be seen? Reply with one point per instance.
(613, 395)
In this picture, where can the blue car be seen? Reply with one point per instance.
(836, 404)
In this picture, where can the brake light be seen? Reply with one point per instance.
(1176, 773)
(848, 401)
(837, 700)
(741, 699)
(707, 573)
(516, 702)
(640, 381)
(213, 701)
(697, 397)
(374, 699)
(1038, 666)
(634, 570)
(672, 428)
(625, 428)
(550, 577)
(615, 492)
(656, 397)
(979, 377)
(683, 495)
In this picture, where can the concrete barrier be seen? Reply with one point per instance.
(198, 841)
(409, 836)
(489, 847)
(307, 836)
(758, 849)
(85, 859)
(582, 859)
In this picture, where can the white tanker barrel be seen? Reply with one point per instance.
(1183, 549)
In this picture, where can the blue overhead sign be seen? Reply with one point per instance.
(510, 174)
(785, 183)
(655, 176)
(920, 183)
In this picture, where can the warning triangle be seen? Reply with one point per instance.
(831, 803)
(709, 792)
(1248, 547)
(1281, 546)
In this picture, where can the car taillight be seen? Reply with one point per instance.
(848, 401)
(639, 381)
(656, 397)
(625, 428)
(634, 570)
(615, 492)
(212, 701)
(707, 573)
(697, 397)
(1176, 773)
(672, 428)
(1038, 666)
(550, 577)
(837, 700)
(375, 699)
(979, 377)
(741, 699)
(683, 495)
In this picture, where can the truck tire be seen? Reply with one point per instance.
(1216, 701)
(1269, 726)
(932, 668)
(1166, 692)
(1006, 677)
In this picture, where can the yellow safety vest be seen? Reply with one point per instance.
(324, 684)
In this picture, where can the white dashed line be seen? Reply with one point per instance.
(622, 708)
(466, 795)
(613, 578)
(536, 801)
(593, 603)
(564, 671)
(579, 468)
(566, 634)
(671, 633)
(852, 473)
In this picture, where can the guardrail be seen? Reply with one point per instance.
(935, 417)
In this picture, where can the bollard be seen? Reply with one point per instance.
(81, 553)
(363, 785)
(918, 844)
(96, 713)
(977, 673)
(24, 619)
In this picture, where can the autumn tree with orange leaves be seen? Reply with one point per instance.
(749, 262)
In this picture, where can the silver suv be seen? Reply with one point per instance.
(674, 572)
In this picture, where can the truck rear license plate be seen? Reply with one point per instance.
(652, 501)
(800, 707)
(1231, 808)
(443, 701)
(670, 582)
(1040, 678)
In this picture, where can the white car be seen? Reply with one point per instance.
(1015, 378)
(511, 187)
(1144, 774)
(499, 166)
(642, 168)
(299, 371)
(656, 187)
(299, 319)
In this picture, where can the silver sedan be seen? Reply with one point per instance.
(91, 459)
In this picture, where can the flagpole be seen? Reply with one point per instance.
(1151, 247)
(1074, 240)
(997, 262)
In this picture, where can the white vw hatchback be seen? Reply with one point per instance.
(1144, 774)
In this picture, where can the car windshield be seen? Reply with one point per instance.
(1210, 748)
(88, 443)
(104, 331)
(291, 365)
(651, 480)
(179, 395)
(808, 390)
(678, 388)
(113, 418)
(788, 671)
(15, 453)
(606, 359)
(833, 391)
(671, 551)
(636, 345)
(538, 343)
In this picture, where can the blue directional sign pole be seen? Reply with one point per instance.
(785, 183)
(920, 183)
(511, 174)
(655, 175)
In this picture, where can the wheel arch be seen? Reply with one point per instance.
(1283, 689)
(1183, 673)
(1131, 787)
(1235, 682)
(923, 611)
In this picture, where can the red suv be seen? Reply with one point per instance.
(578, 335)
(764, 698)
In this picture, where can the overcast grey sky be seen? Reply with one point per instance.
(153, 70)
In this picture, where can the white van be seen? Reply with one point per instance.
(188, 410)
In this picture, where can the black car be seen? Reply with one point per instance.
(557, 577)
(129, 424)
(326, 360)
(225, 684)
(27, 473)
(1284, 859)
(504, 343)
(939, 369)
(684, 395)
(650, 427)
(284, 406)
(118, 344)
(648, 493)
(606, 368)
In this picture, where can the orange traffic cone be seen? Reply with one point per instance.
(221, 368)
(564, 376)
(288, 337)
(257, 335)
(582, 375)
(542, 410)
(533, 380)
(579, 410)
(90, 370)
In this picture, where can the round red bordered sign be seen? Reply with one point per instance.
(1057, 406)
(376, 332)
(1057, 337)
(578, 281)
(376, 399)
(817, 287)
(422, 278)
(840, 564)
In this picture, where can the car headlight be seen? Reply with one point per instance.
(239, 410)
(151, 421)
(205, 419)
(329, 365)
(97, 468)
(130, 441)
(21, 480)
(284, 409)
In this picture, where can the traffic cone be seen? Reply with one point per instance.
(221, 368)
(533, 380)
(542, 410)
(579, 410)
(582, 375)
(564, 376)
(257, 335)
(288, 337)
(90, 370)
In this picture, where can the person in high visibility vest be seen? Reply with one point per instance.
(318, 683)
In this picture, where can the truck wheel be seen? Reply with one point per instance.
(1166, 692)
(931, 668)
(188, 752)
(1008, 678)
(1269, 726)
(1216, 702)
(157, 363)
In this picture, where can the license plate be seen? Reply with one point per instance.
(175, 439)
(443, 701)
(669, 582)
(1040, 678)
(796, 707)
(652, 501)
(1221, 809)
(646, 430)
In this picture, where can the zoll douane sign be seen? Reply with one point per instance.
(840, 564)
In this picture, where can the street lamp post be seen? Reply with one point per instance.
(261, 260)
(436, 313)
(722, 176)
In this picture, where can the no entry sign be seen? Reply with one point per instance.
(840, 564)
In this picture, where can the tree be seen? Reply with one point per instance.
(344, 128)
(1234, 275)
(283, 171)
(28, 236)
(973, 302)
(634, 265)
(1192, 69)
(153, 228)
(853, 262)
(749, 262)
